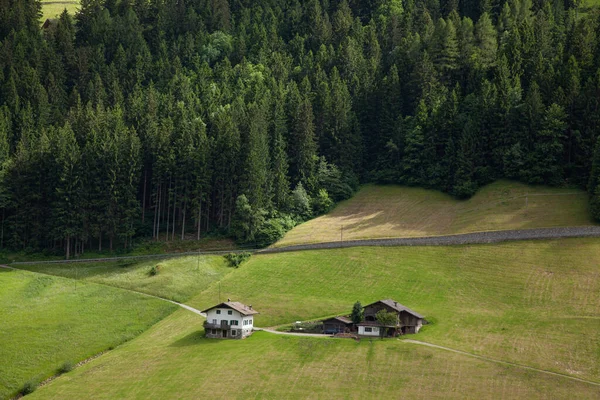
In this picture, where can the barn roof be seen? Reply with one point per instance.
(397, 306)
(235, 305)
(342, 319)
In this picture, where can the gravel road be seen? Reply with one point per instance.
(466, 238)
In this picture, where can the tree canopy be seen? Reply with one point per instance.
(172, 119)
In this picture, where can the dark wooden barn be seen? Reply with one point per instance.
(337, 325)
(409, 321)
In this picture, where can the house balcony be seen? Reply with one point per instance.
(223, 325)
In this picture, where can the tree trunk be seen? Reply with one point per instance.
(158, 211)
(100, 242)
(2, 236)
(183, 220)
(111, 242)
(222, 210)
(68, 249)
(199, 215)
(168, 208)
(174, 212)
(144, 195)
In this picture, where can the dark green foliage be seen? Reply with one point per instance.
(357, 313)
(67, 366)
(29, 387)
(386, 319)
(321, 203)
(237, 259)
(152, 118)
(155, 270)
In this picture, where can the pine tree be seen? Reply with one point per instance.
(66, 206)
(485, 39)
(279, 160)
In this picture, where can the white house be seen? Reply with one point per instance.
(232, 320)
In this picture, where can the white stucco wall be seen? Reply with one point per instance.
(374, 331)
(215, 318)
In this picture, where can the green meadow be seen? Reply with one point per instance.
(177, 279)
(53, 8)
(531, 303)
(173, 361)
(48, 321)
(535, 303)
(397, 211)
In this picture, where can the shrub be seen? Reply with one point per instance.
(274, 228)
(322, 203)
(29, 387)
(301, 202)
(246, 220)
(66, 367)
(236, 259)
(155, 270)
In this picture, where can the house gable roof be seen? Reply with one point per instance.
(234, 305)
(397, 306)
(342, 319)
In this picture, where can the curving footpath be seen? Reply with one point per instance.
(449, 240)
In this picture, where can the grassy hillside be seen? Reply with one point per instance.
(53, 8)
(534, 303)
(172, 360)
(397, 211)
(47, 321)
(178, 278)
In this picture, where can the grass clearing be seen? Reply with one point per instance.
(49, 321)
(397, 211)
(173, 360)
(178, 278)
(53, 8)
(534, 303)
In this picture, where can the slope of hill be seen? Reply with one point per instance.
(397, 211)
(177, 279)
(172, 360)
(534, 303)
(47, 321)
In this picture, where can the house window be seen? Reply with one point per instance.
(215, 321)
(218, 311)
(229, 312)
(213, 331)
(367, 329)
(233, 322)
(233, 332)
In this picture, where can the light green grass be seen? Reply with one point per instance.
(53, 8)
(397, 211)
(535, 303)
(173, 361)
(178, 279)
(46, 321)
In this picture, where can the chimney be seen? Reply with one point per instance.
(228, 299)
(250, 306)
(396, 303)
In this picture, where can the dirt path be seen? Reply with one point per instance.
(449, 240)
(500, 361)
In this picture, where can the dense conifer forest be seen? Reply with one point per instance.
(178, 118)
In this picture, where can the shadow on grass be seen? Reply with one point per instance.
(194, 339)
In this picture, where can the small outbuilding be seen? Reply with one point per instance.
(334, 325)
(229, 320)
